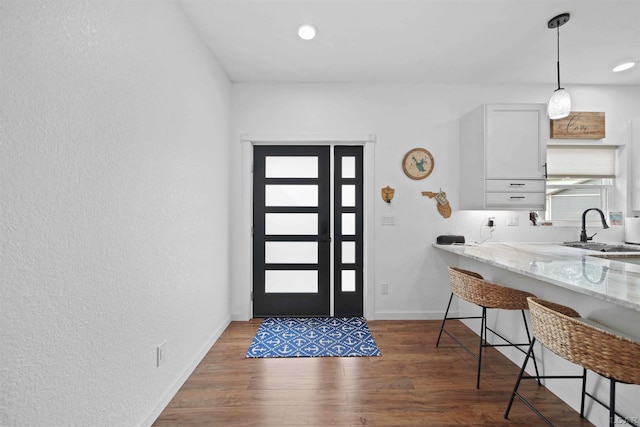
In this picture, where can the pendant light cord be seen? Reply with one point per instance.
(558, 63)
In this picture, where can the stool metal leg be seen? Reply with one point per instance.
(613, 415)
(584, 391)
(612, 403)
(515, 388)
(445, 319)
(483, 337)
(533, 356)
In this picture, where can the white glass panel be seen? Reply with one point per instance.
(348, 281)
(348, 252)
(348, 224)
(291, 167)
(291, 252)
(348, 195)
(291, 195)
(291, 223)
(291, 281)
(349, 167)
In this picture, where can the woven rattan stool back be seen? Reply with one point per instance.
(471, 287)
(560, 329)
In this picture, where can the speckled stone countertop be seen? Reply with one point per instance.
(576, 269)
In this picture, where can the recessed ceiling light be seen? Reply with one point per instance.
(624, 66)
(307, 32)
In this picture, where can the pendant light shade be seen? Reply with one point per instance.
(559, 104)
(560, 101)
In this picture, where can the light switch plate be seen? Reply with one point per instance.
(388, 220)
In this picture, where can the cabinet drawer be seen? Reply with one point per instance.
(517, 185)
(515, 200)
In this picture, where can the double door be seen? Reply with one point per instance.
(307, 231)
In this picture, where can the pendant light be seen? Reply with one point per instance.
(560, 101)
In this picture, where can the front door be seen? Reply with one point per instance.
(291, 231)
(294, 203)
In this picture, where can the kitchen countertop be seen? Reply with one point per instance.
(570, 268)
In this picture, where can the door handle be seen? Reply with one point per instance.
(324, 232)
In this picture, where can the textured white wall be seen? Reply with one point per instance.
(114, 186)
(403, 116)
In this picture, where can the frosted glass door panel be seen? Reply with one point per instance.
(291, 252)
(348, 281)
(348, 195)
(291, 224)
(348, 224)
(291, 167)
(348, 252)
(291, 195)
(291, 281)
(349, 167)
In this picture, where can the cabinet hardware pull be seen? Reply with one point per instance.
(516, 184)
(517, 197)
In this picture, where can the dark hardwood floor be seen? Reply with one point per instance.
(413, 383)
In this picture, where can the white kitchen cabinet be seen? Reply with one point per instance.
(634, 169)
(503, 157)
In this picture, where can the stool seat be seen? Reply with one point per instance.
(594, 347)
(471, 287)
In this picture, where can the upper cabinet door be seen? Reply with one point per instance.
(515, 141)
(633, 169)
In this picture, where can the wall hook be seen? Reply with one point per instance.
(387, 194)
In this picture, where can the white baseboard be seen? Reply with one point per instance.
(388, 315)
(155, 413)
(411, 315)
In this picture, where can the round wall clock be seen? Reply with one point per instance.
(417, 163)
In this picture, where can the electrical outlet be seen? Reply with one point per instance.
(514, 219)
(161, 354)
(384, 289)
(491, 222)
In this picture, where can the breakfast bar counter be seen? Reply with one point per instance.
(605, 290)
(580, 270)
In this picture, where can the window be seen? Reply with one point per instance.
(579, 177)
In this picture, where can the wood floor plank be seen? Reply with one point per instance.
(239, 398)
(413, 383)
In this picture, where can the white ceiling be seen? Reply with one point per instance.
(431, 41)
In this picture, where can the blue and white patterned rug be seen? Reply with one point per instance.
(313, 337)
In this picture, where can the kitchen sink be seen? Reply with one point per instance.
(601, 247)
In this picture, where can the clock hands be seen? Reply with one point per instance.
(419, 164)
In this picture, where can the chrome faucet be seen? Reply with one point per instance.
(583, 233)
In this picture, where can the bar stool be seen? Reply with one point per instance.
(471, 287)
(581, 341)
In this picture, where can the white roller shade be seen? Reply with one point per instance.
(581, 161)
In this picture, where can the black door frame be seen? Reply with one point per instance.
(242, 283)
